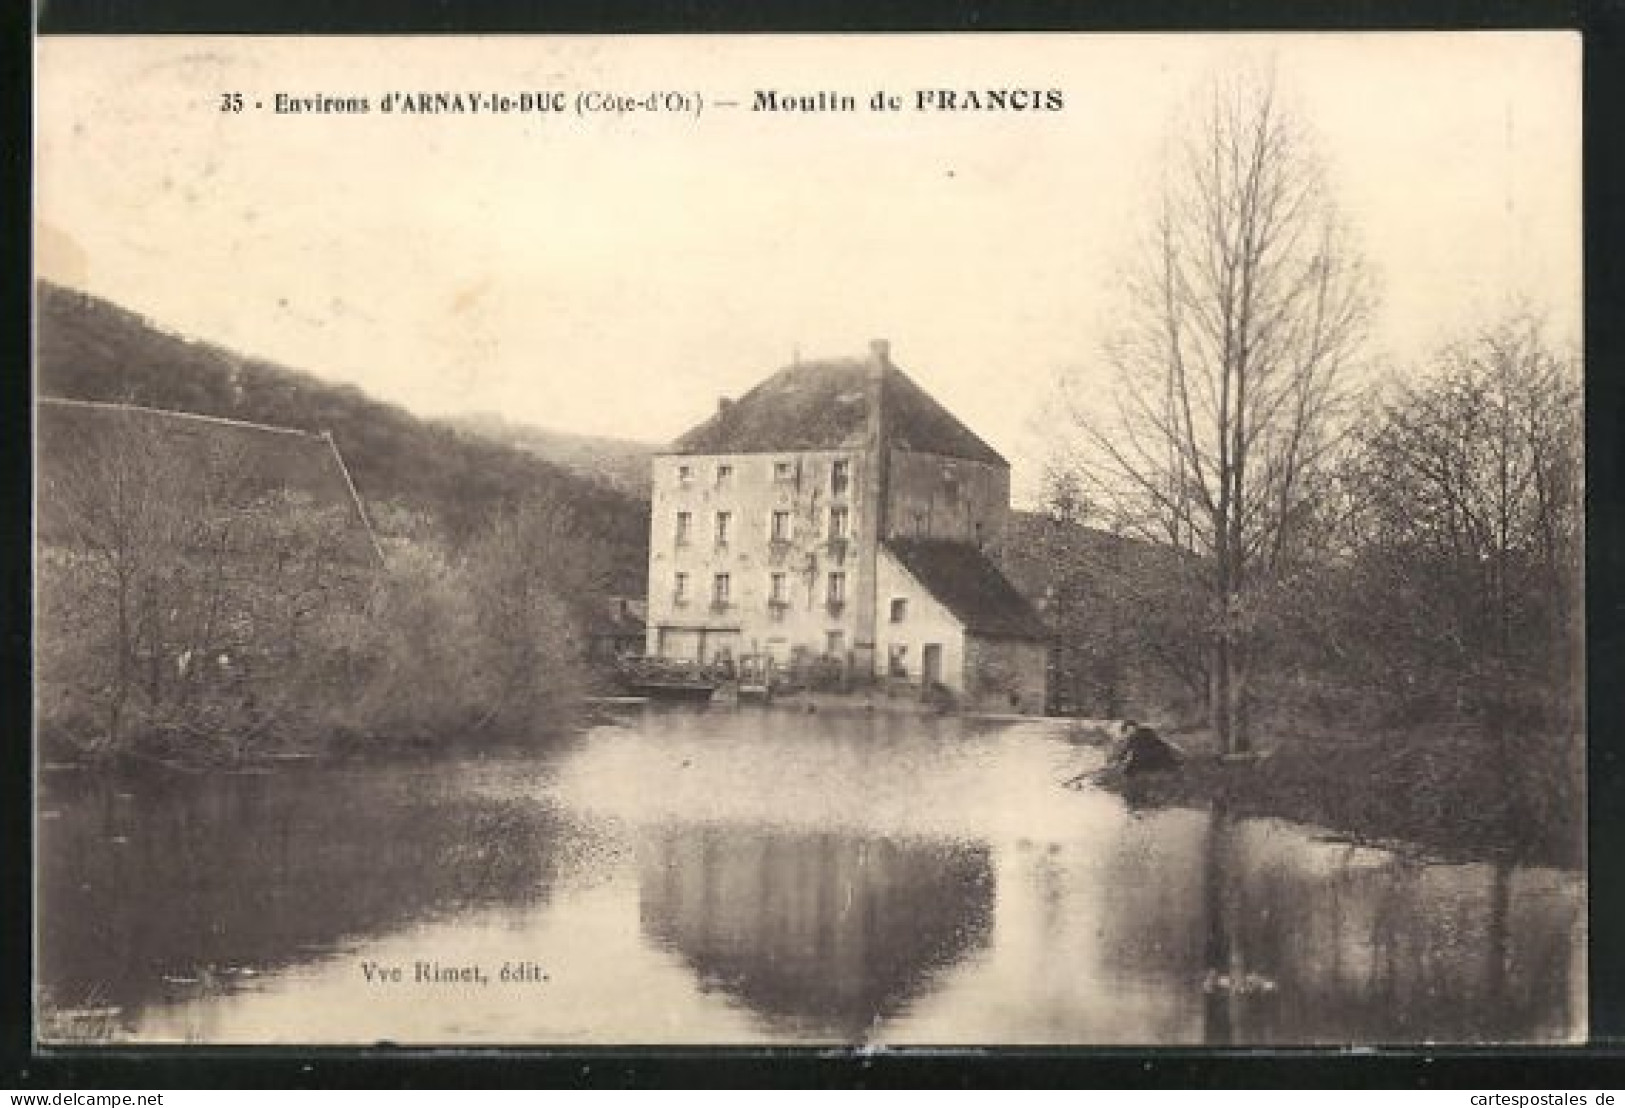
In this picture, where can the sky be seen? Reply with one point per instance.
(617, 274)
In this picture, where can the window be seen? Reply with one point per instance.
(724, 520)
(720, 588)
(899, 609)
(781, 526)
(679, 588)
(783, 471)
(685, 475)
(897, 660)
(725, 473)
(777, 597)
(837, 589)
(838, 520)
(685, 521)
(834, 643)
(840, 474)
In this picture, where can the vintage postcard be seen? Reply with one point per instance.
(794, 539)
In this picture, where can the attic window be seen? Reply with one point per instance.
(783, 471)
(725, 474)
(685, 475)
(899, 609)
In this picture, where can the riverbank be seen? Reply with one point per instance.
(1453, 794)
(234, 751)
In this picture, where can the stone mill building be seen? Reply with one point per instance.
(838, 517)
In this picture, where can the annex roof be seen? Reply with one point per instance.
(258, 458)
(826, 405)
(969, 585)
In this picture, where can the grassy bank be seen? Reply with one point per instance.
(238, 748)
(1459, 794)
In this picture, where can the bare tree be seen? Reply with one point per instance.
(112, 510)
(534, 580)
(1244, 310)
(1471, 529)
(176, 591)
(1465, 579)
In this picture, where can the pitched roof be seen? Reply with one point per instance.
(825, 405)
(970, 586)
(181, 446)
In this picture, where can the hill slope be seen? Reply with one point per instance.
(91, 349)
(621, 463)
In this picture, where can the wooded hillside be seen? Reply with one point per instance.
(403, 466)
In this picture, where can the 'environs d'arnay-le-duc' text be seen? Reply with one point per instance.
(471, 102)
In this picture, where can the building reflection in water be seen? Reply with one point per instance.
(822, 934)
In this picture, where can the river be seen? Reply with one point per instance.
(751, 875)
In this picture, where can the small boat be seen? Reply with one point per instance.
(672, 690)
(666, 679)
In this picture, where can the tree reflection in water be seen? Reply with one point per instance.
(1354, 944)
(821, 933)
(171, 886)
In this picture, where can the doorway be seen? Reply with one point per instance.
(931, 665)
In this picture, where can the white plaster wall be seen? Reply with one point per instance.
(927, 621)
(752, 494)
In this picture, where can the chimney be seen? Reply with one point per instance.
(872, 522)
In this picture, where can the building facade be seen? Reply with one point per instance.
(838, 513)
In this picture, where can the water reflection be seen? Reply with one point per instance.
(763, 875)
(176, 886)
(824, 935)
(1319, 942)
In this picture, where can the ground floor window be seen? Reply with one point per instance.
(897, 660)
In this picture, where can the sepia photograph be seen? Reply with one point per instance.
(853, 541)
